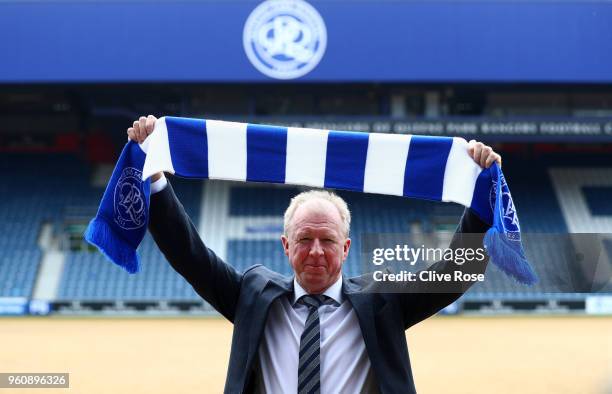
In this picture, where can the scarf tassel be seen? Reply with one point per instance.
(112, 245)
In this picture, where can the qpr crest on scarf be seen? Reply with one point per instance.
(129, 200)
(285, 39)
(512, 227)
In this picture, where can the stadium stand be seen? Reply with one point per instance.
(35, 190)
(598, 199)
(89, 276)
(48, 188)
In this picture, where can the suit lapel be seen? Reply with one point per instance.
(270, 292)
(365, 306)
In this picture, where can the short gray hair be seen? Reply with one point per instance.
(325, 195)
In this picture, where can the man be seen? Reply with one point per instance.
(317, 332)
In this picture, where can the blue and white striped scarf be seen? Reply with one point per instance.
(432, 168)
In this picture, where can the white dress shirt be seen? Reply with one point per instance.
(159, 184)
(345, 365)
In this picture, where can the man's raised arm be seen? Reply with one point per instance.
(177, 238)
(424, 299)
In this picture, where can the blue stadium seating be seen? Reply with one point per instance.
(44, 188)
(264, 202)
(244, 253)
(599, 200)
(90, 276)
(47, 188)
(36, 188)
(18, 270)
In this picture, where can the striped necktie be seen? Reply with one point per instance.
(309, 369)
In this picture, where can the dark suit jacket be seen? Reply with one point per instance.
(245, 298)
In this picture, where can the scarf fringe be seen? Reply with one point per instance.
(101, 234)
(508, 257)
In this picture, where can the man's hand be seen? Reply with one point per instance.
(139, 131)
(483, 154)
(141, 128)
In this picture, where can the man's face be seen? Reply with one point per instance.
(316, 245)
